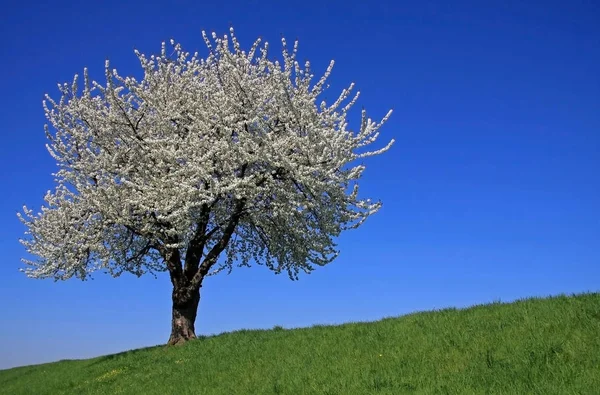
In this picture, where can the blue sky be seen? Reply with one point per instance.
(490, 193)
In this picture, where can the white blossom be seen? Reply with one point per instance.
(230, 153)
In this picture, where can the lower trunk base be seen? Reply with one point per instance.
(181, 334)
(185, 309)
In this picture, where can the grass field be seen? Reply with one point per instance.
(532, 346)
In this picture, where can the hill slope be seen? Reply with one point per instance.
(532, 346)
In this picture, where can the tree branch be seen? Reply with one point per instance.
(213, 254)
(196, 244)
(141, 252)
(172, 258)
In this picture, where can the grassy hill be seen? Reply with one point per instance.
(532, 346)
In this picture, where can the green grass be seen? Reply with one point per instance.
(532, 346)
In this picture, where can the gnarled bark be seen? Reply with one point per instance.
(185, 309)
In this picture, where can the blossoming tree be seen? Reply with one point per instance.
(202, 163)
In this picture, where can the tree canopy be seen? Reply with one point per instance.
(232, 154)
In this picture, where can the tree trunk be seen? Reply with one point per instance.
(185, 308)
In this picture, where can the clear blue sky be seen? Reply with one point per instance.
(490, 193)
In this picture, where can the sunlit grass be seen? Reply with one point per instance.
(534, 346)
